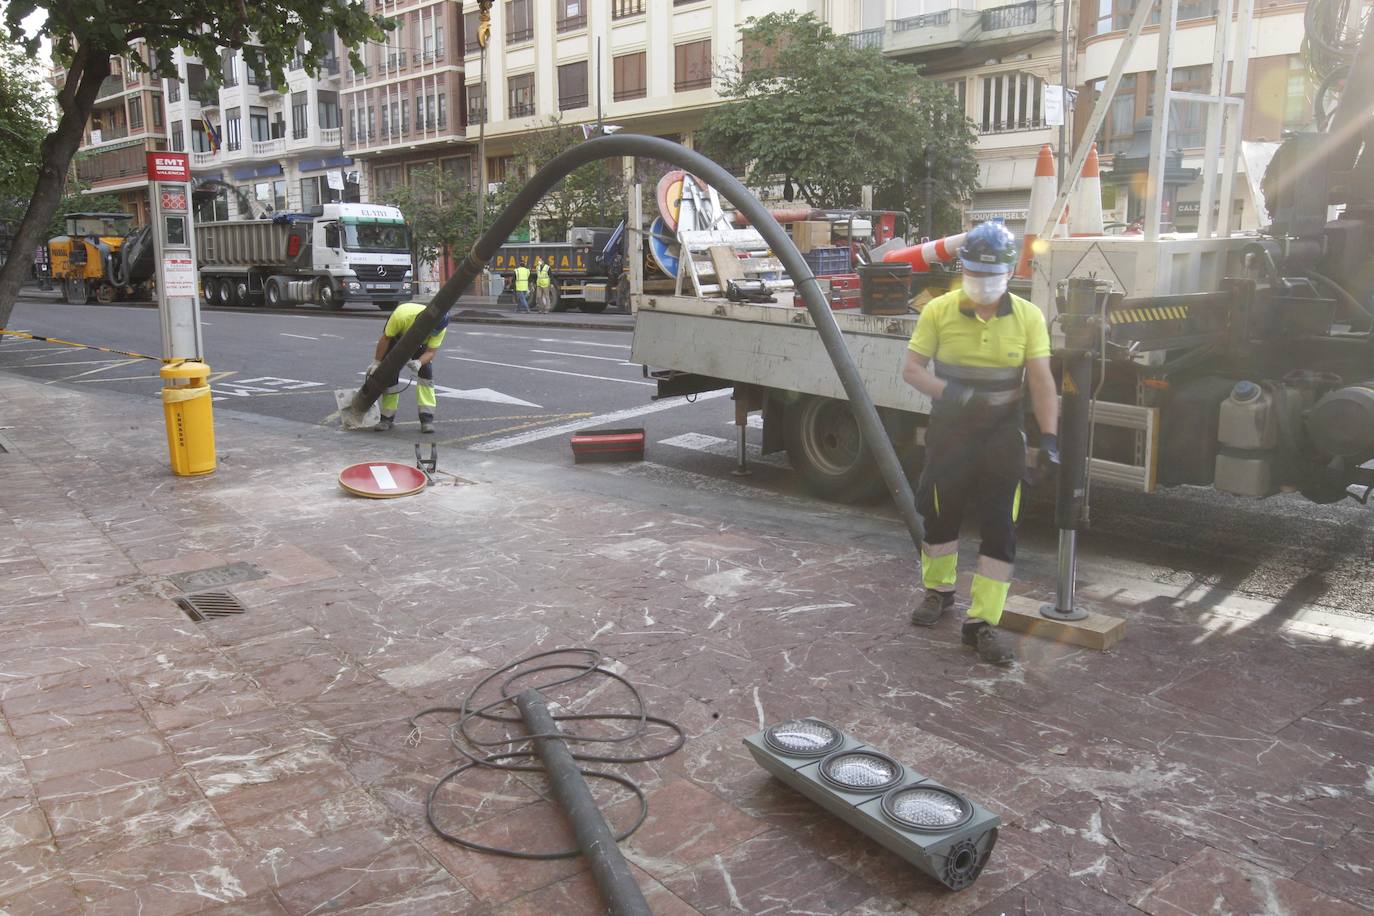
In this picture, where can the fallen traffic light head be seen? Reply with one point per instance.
(934, 828)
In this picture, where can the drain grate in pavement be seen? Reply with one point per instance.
(210, 605)
(216, 576)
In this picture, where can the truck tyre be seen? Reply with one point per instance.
(327, 296)
(227, 292)
(273, 294)
(210, 286)
(388, 306)
(827, 449)
(243, 293)
(105, 293)
(592, 308)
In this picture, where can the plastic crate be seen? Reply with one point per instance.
(886, 288)
(825, 262)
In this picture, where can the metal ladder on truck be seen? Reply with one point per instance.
(712, 252)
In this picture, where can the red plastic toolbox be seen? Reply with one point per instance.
(608, 445)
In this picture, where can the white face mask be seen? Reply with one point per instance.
(985, 290)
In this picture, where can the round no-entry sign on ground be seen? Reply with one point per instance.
(382, 479)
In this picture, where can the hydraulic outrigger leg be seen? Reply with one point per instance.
(1081, 320)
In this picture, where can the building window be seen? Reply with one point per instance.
(271, 194)
(230, 67)
(960, 90)
(1119, 128)
(520, 95)
(200, 139)
(258, 127)
(178, 137)
(622, 9)
(1297, 104)
(459, 169)
(1012, 101)
(1187, 120)
(477, 103)
(174, 90)
(157, 109)
(327, 104)
(136, 112)
(572, 86)
(629, 77)
(1115, 15)
(300, 115)
(442, 121)
(470, 23)
(233, 136)
(315, 191)
(519, 21)
(383, 180)
(499, 168)
(692, 65)
(572, 14)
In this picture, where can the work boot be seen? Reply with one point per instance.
(992, 647)
(426, 424)
(932, 608)
(384, 424)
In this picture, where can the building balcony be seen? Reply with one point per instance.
(267, 149)
(125, 162)
(331, 136)
(205, 160)
(1033, 17)
(951, 28)
(206, 96)
(959, 37)
(111, 85)
(868, 38)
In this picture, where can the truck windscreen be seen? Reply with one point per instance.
(376, 237)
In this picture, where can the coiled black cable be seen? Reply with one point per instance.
(471, 747)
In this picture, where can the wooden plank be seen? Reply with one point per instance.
(1096, 631)
(726, 264)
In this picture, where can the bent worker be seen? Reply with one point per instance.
(421, 365)
(985, 344)
(522, 290)
(543, 284)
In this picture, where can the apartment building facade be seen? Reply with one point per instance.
(128, 120)
(257, 148)
(1278, 98)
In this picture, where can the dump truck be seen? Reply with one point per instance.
(582, 278)
(337, 253)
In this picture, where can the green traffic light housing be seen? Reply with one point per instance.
(941, 832)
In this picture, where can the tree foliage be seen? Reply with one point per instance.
(26, 102)
(441, 211)
(85, 34)
(593, 195)
(827, 118)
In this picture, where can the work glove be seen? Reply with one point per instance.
(372, 366)
(1047, 462)
(414, 366)
(958, 395)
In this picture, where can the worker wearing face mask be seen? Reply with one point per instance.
(973, 352)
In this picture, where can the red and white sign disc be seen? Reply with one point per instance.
(173, 200)
(382, 479)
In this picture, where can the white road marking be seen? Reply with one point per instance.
(548, 432)
(487, 395)
(581, 343)
(300, 336)
(601, 378)
(607, 359)
(126, 362)
(715, 445)
(74, 362)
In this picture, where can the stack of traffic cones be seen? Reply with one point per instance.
(1043, 189)
(1085, 206)
(922, 255)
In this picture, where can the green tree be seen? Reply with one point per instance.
(86, 33)
(593, 195)
(441, 211)
(814, 113)
(27, 103)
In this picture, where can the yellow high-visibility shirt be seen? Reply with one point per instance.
(950, 331)
(404, 316)
(522, 279)
(541, 276)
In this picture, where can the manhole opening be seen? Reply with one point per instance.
(210, 605)
(201, 580)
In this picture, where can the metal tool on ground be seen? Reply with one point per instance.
(565, 670)
(1081, 319)
(607, 445)
(428, 466)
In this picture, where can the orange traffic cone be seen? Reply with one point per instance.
(921, 256)
(1043, 190)
(1085, 207)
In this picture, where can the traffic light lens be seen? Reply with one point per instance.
(927, 808)
(861, 770)
(804, 738)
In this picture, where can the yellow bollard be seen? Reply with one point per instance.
(190, 424)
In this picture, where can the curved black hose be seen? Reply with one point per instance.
(620, 145)
(470, 747)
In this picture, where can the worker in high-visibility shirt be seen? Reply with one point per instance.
(543, 284)
(522, 289)
(973, 351)
(421, 365)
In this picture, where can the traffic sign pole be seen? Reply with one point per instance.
(178, 292)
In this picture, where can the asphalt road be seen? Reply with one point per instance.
(519, 390)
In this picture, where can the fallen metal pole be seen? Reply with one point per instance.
(614, 147)
(612, 873)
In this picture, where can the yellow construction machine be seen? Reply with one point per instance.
(102, 258)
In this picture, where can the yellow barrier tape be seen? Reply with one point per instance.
(24, 335)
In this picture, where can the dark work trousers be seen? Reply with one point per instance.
(978, 457)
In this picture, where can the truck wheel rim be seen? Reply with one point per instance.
(832, 439)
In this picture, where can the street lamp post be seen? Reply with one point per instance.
(483, 35)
